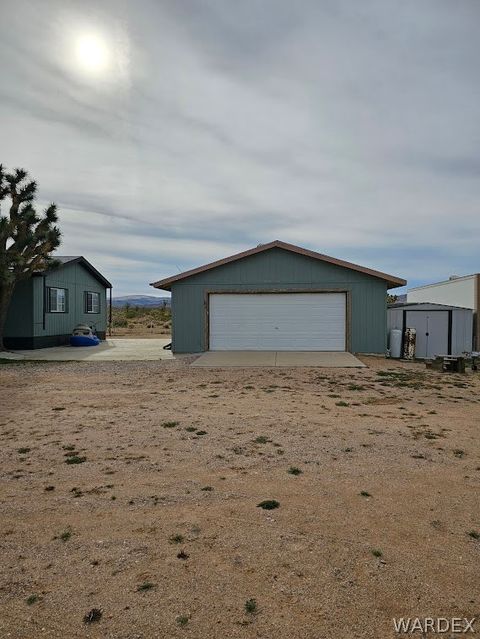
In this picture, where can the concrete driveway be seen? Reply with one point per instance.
(247, 359)
(108, 351)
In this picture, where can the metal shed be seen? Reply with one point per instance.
(440, 329)
(279, 297)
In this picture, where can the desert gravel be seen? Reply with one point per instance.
(157, 525)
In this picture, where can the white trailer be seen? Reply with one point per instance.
(457, 291)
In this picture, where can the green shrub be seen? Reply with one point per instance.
(269, 504)
(251, 606)
(293, 470)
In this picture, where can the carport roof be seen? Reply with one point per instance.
(392, 281)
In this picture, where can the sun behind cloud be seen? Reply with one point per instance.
(92, 53)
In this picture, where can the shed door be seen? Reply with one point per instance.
(277, 322)
(432, 332)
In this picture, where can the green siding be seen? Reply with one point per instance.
(282, 270)
(20, 312)
(77, 280)
(26, 313)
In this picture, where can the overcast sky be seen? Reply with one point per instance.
(351, 128)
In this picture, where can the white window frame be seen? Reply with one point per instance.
(59, 303)
(91, 307)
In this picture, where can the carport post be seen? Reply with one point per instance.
(110, 314)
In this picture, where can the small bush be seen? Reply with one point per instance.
(342, 403)
(182, 620)
(24, 450)
(268, 504)
(364, 493)
(94, 615)
(474, 534)
(65, 535)
(376, 552)
(32, 599)
(293, 470)
(146, 585)
(170, 424)
(176, 539)
(355, 387)
(251, 606)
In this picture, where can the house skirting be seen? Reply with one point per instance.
(46, 341)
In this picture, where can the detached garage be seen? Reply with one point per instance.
(279, 297)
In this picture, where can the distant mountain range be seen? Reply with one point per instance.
(140, 300)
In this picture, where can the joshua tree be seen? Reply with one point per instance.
(26, 238)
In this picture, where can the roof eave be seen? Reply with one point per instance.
(396, 283)
(158, 286)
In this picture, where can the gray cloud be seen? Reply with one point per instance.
(351, 128)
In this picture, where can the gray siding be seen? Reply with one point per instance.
(462, 331)
(280, 270)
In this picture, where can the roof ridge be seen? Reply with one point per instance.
(167, 282)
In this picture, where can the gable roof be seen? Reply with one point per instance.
(166, 283)
(79, 259)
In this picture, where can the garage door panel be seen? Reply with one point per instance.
(277, 321)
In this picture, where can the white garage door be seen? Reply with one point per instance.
(277, 322)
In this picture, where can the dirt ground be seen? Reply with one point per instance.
(157, 523)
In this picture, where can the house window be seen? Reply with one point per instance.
(92, 302)
(57, 300)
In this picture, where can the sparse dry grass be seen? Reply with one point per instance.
(141, 321)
